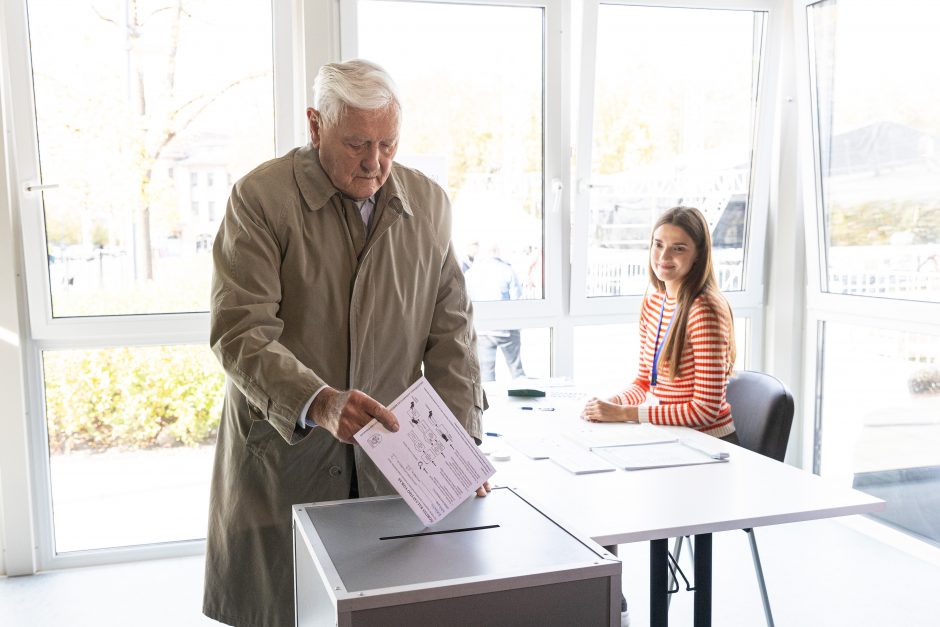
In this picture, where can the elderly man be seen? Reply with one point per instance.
(335, 285)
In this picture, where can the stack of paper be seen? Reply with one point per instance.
(533, 447)
(577, 460)
(566, 454)
(660, 455)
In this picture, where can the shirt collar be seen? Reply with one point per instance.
(317, 189)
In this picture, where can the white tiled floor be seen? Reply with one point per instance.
(820, 574)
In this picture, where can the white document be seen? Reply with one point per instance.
(532, 446)
(431, 460)
(601, 435)
(577, 460)
(657, 456)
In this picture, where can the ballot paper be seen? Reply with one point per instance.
(431, 460)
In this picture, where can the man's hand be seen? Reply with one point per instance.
(484, 489)
(344, 413)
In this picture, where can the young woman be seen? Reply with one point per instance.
(686, 337)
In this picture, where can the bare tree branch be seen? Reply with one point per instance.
(171, 133)
(102, 17)
(179, 8)
(174, 47)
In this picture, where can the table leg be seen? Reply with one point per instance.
(659, 607)
(703, 580)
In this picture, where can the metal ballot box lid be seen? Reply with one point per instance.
(374, 552)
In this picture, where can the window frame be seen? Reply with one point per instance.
(46, 333)
(823, 307)
(43, 325)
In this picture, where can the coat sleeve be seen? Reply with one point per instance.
(450, 357)
(245, 328)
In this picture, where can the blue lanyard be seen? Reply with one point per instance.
(659, 345)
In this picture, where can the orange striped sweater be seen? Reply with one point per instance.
(696, 398)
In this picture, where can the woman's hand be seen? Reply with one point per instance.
(597, 410)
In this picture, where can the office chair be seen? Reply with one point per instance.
(762, 410)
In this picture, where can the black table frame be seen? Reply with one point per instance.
(659, 585)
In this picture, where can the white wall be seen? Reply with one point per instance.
(785, 252)
(15, 510)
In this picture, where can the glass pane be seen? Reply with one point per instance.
(886, 441)
(605, 357)
(878, 115)
(472, 119)
(507, 354)
(131, 443)
(143, 124)
(674, 111)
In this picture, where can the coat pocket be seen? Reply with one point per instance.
(259, 436)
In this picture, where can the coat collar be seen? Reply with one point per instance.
(317, 189)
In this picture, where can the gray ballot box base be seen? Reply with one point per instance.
(497, 560)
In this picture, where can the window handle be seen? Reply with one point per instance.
(584, 186)
(38, 187)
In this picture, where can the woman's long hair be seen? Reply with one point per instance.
(700, 281)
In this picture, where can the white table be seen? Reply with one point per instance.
(618, 507)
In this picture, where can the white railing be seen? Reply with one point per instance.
(613, 272)
(925, 285)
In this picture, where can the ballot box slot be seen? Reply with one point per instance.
(435, 533)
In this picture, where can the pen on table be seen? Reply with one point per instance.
(713, 454)
(529, 408)
(494, 434)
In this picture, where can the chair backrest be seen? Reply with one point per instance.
(762, 411)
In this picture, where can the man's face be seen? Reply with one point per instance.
(357, 152)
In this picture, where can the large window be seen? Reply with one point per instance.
(874, 227)
(674, 120)
(141, 87)
(878, 134)
(131, 433)
(885, 441)
(141, 115)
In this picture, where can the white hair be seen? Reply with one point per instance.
(358, 84)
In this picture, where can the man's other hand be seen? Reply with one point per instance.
(344, 413)
(483, 489)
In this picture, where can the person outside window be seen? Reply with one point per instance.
(489, 277)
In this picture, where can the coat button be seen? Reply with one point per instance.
(335, 471)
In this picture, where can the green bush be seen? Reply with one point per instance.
(925, 381)
(132, 397)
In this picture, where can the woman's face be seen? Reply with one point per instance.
(672, 255)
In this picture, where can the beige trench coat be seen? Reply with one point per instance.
(293, 308)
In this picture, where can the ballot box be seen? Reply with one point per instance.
(497, 560)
